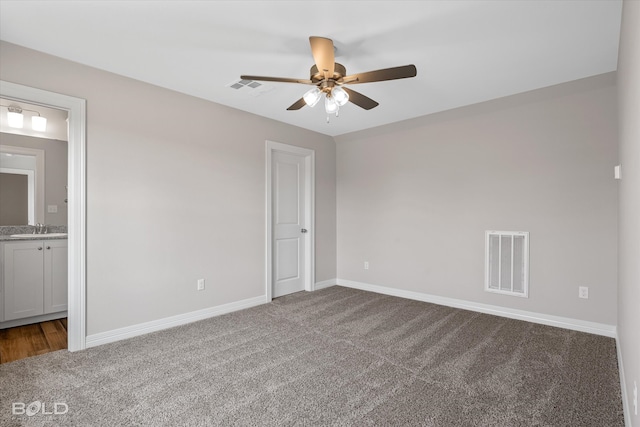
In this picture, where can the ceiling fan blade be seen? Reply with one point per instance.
(360, 100)
(394, 73)
(277, 79)
(323, 55)
(297, 105)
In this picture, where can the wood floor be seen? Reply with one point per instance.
(32, 340)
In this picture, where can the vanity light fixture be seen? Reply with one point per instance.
(15, 118)
(39, 123)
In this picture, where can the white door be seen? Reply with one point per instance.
(288, 193)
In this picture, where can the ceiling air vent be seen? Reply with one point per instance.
(250, 87)
(245, 83)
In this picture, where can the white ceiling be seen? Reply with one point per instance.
(465, 51)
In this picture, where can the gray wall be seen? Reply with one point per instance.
(414, 199)
(629, 193)
(55, 172)
(168, 203)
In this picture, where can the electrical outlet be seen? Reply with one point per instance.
(583, 292)
(201, 284)
(366, 265)
(635, 398)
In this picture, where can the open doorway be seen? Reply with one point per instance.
(75, 202)
(33, 190)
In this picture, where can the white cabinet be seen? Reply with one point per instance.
(34, 278)
(55, 276)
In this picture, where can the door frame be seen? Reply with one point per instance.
(309, 202)
(76, 181)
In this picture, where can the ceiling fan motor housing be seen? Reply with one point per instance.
(338, 73)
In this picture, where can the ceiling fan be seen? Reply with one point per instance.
(328, 77)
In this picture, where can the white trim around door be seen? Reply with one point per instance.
(309, 157)
(76, 181)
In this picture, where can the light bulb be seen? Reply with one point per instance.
(15, 117)
(312, 97)
(340, 95)
(330, 105)
(39, 123)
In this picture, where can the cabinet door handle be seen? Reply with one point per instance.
(40, 248)
(48, 247)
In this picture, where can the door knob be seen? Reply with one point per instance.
(304, 230)
(40, 248)
(48, 247)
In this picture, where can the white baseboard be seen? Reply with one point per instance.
(325, 284)
(544, 319)
(623, 385)
(169, 322)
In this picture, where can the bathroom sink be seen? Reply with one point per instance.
(40, 235)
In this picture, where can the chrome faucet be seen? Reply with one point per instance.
(40, 229)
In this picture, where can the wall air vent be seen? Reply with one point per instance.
(507, 262)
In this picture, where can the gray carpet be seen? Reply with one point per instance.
(333, 357)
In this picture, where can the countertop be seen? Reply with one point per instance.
(6, 231)
(8, 238)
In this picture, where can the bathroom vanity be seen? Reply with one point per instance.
(34, 279)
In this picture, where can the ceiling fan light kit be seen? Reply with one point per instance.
(330, 105)
(328, 77)
(340, 95)
(312, 97)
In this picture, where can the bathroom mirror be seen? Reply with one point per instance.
(33, 168)
(22, 173)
